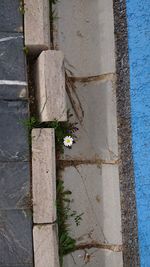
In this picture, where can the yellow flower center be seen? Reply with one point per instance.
(68, 140)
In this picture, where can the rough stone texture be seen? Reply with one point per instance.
(97, 136)
(13, 92)
(94, 258)
(12, 57)
(50, 86)
(88, 42)
(14, 185)
(126, 172)
(15, 237)
(43, 176)
(37, 25)
(10, 16)
(95, 192)
(13, 135)
(45, 246)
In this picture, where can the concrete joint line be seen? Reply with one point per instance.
(102, 77)
(67, 163)
(112, 247)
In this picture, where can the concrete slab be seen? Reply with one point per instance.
(43, 176)
(95, 192)
(37, 25)
(97, 136)
(16, 238)
(94, 258)
(15, 185)
(88, 42)
(14, 144)
(12, 58)
(50, 86)
(45, 246)
(10, 16)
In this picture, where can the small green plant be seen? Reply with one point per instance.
(54, 2)
(31, 123)
(66, 243)
(62, 130)
(21, 7)
(26, 50)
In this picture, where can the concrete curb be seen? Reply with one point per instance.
(45, 246)
(36, 25)
(44, 198)
(50, 86)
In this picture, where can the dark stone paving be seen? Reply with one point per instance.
(12, 58)
(13, 135)
(127, 183)
(15, 199)
(10, 16)
(14, 185)
(15, 237)
(13, 92)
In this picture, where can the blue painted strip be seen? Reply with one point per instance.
(138, 19)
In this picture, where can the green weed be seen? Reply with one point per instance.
(62, 129)
(66, 243)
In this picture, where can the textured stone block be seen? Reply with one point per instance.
(50, 86)
(37, 25)
(95, 106)
(12, 59)
(16, 238)
(94, 258)
(14, 144)
(88, 41)
(10, 16)
(43, 176)
(15, 185)
(45, 246)
(95, 193)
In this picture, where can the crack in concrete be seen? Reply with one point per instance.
(94, 244)
(102, 77)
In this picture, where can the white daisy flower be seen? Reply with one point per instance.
(68, 141)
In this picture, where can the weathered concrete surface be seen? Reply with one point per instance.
(13, 135)
(88, 42)
(50, 86)
(37, 25)
(45, 246)
(15, 185)
(94, 258)
(97, 136)
(43, 176)
(15, 237)
(95, 192)
(10, 16)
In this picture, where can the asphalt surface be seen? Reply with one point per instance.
(127, 181)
